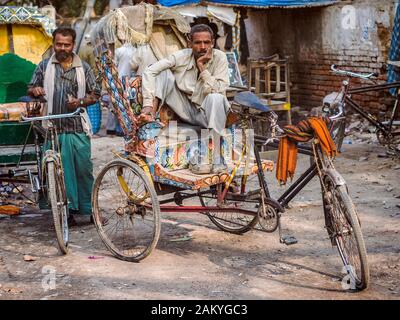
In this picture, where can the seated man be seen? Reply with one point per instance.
(192, 82)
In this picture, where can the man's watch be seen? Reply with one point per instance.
(81, 102)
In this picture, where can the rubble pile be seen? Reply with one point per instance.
(5, 190)
(359, 130)
(11, 199)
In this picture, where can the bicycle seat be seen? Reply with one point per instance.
(250, 100)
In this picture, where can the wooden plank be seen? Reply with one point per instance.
(274, 82)
(257, 80)
(266, 95)
(249, 73)
(287, 80)
(10, 38)
(278, 79)
(279, 95)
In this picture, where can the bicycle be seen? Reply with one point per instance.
(51, 174)
(386, 131)
(341, 218)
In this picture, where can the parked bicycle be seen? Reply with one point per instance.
(51, 174)
(387, 131)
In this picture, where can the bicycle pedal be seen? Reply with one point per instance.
(288, 240)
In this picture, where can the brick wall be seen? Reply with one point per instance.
(314, 38)
(312, 79)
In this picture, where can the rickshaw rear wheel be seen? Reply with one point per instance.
(124, 196)
(229, 220)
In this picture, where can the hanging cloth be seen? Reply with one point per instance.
(236, 37)
(394, 53)
(304, 131)
(244, 45)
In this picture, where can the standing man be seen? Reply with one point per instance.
(192, 82)
(67, 82)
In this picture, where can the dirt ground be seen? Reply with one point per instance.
(211, 264)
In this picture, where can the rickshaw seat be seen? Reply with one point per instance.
(250, 100)
(185, 179)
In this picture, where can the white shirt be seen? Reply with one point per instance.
(214, 79)
(122, 59)
(142, 58)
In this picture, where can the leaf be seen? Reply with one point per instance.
(29, 258)
(184, 238)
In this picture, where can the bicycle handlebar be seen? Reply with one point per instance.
(353, 74)
(276, 132)
(53, 117)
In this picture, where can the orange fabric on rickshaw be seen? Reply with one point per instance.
(9, 210)
(302, 132)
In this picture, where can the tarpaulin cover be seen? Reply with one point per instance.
(252, 3)
(394, 53)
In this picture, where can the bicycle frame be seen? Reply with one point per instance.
(50, 135)
(371, 88)
(51, 154)
(302, 181)
(280, 203)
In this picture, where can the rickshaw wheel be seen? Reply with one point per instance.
(126, 210)
(229, 220)
(58, 203)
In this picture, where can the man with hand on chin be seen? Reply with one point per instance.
(192, 82)
(67, 82)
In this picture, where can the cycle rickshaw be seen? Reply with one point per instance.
(151, 176)
(29, 153)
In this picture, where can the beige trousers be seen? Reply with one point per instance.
(211, 114)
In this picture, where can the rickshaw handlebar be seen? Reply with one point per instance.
(76, 113)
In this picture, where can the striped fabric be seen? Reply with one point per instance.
(94, 113)
(236, 37)
(65, 83)
(302, 132)
(394, 53)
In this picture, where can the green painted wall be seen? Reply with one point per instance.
(15, 74)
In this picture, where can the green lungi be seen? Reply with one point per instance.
(78, 170)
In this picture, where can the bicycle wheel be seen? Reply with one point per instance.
(124, 196)
(345, 232)
(58, 203)
(229, 220)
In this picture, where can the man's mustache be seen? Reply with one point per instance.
(62, 55)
